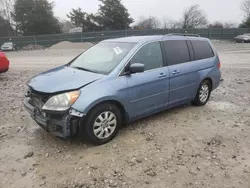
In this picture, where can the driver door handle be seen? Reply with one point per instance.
(162, 75)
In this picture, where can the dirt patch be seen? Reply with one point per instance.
(71, 45)
(33, 47)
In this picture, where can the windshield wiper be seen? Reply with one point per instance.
(81, 68)
(88, 70)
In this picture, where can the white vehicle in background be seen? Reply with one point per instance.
(243, 38)
(8, 46)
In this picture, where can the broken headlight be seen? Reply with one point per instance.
(62, 102)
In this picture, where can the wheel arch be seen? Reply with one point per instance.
(210, 80)
(119, 105)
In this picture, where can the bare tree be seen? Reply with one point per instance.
(230, 25)
(170, 24)
(227, 25)
(148, 23)
(194, 17)
(245, 7)
(216, 25)
(7, 10)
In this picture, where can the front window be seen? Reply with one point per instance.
(150, 55)
(103, 57)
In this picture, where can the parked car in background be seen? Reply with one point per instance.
(121, 80)
(4, 63)
(8, 46)
(243, 38)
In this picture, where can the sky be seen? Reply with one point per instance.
(216, 10)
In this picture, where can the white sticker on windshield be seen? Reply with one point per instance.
(118, 50)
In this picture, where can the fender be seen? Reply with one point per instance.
(209, 69)
(113, 89)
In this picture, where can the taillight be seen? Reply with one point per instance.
(219, 65)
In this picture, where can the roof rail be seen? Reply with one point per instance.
(183, 34)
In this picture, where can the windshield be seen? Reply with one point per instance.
(103, 57)
(8, 44)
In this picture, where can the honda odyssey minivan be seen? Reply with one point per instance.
(121, 80)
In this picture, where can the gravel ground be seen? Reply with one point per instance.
(182, 147)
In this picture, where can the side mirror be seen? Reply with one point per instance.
(136, 68)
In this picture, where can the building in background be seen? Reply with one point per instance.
(67, 26)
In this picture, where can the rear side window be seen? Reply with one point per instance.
(176, 51)
(202, 49)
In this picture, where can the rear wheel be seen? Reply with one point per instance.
(102, 124)
(203, 93)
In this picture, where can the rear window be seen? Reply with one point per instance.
(176, 51)
(202, 50)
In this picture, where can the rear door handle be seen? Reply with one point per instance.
(176, 72)
(162, 75)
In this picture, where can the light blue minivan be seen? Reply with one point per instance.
(121, 80)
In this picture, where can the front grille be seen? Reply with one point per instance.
(37, 99)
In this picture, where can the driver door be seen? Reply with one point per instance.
(148, 91)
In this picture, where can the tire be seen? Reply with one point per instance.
(110, 124)
(206, 88)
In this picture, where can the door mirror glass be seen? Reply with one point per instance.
(136, 68)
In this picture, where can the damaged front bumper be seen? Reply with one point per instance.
(61, 124)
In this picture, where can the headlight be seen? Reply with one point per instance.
(62, 102)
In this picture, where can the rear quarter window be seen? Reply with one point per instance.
(202, 50)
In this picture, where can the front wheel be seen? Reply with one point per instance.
(203, 93)
(101, 124)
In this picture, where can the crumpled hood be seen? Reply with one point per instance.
(62, 79)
